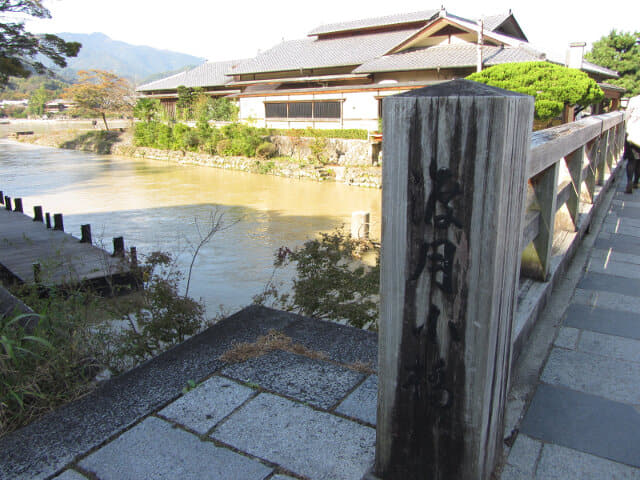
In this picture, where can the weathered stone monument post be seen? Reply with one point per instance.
(454, 187)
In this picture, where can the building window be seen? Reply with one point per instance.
(326, 109)
(276, 110)
(301, 110)
(321, 110)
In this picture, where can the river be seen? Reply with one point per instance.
(155, 205)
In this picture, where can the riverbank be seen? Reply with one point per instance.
(120, 142)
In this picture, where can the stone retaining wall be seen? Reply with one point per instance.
(351, 175)
(338, 151)
(350, 159)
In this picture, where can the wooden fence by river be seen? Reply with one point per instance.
(466, 189)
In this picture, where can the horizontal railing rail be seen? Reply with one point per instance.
(565, 166)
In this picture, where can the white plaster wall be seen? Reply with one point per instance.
(360, 106)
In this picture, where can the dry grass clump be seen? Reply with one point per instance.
(273, 340)
(362, 367)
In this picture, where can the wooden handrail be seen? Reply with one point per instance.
(590, 149)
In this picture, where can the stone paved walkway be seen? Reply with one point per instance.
(584, 419)
(278, 416)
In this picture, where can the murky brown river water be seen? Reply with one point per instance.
(154, 206)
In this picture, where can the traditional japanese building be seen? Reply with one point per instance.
(337, 75)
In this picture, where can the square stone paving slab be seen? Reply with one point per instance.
(567, 338)
(560, 463)
(584, 422)
(603, 320)
(607, 300)
(626, 349)
(524, 454)
(341, 343)
(155, 449)
(609, 266)
(363, 402)
(609, 378)
(625, 211)
(207, 404)
(610, 283)
(618, 243)
(610, 255)
(313, 381)
(70, 475)
(302, 440)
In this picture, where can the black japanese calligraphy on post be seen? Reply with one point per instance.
(438, 257)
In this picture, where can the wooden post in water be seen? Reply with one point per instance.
(1, 197)
(85, 234)
(17, 205)
(134, 257)
(360, 225)
(48, 218)
(37, 214)
(57, 222)
(118, 247)
(454, 184)
(7, 202)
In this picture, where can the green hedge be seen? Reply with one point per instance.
(235, 139)
(347, 133)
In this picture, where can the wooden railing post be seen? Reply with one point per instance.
(454, 186)
(545, 187)
(601, 158)
(591, 151)
(610, 150)
(575, 161)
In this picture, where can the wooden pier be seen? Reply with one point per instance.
(31, 253)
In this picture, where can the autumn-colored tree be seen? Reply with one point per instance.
(552, 86)
(101, 92)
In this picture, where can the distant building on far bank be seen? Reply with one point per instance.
(337, 76)
(58, 105)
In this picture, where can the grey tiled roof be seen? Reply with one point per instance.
(318, 53)
(448, 56)
(375, 22)
(592, 67)
(209, 74)
(494, 21)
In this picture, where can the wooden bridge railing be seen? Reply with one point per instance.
(587, 151)
(466, 189)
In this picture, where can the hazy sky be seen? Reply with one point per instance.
(230, 30)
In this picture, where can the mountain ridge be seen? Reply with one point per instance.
(136, 62)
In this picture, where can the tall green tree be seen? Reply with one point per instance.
(186, 99)
(101, 92)
(38, 100)
(619, 51)
(224, 109)
(19, 49)
(552, 86)
(147, 109)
